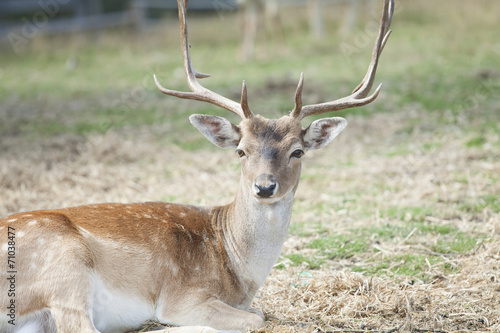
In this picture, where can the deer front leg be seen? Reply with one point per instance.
(225, 317)
(216, 315)
(257, 312)
(70, 320)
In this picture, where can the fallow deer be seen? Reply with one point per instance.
(110, 267)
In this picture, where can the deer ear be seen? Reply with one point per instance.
(218, 130)
(321, 132)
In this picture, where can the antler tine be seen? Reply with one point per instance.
(383, 34)
(244, 101)
(198, 92)
(360, 93)
(298, 97)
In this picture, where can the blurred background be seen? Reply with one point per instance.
(101, 55)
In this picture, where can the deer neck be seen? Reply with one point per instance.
(255, 233)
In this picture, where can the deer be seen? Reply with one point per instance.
(110, 267)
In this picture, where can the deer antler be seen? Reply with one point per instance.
(359, 94)
(199, 92)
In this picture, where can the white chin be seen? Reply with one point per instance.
(267, 201)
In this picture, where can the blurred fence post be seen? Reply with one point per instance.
(138, 14)
(316, 26)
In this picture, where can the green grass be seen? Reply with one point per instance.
(416, 214)
(409, 265)
(100, 121)
(476, 141)
(457, 244)
(311, 262)
(439, 76)
(491, 201)
(339, 247)
(357, 243)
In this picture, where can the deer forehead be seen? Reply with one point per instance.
(279, 134)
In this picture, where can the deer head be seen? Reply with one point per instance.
(270, 149)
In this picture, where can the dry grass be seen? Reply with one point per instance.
(331, 300)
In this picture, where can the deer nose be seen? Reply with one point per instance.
(265, 186)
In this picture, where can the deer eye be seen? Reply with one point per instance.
(240, 152)
(298, 153)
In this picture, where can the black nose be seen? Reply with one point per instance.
(265, 185)
(265, 191)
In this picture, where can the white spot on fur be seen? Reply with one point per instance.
(33, 222)
(183, 214)
(41, 241)
(173, 267)
(2, 228)
(5, 246)
(147, 216)
(49, 256)
(12, 220)
(27, 215)
(20, 234)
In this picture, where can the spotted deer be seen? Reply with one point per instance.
(111, 267)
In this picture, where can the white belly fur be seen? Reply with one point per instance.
(118, 312)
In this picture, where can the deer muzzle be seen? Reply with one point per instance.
(265, 186)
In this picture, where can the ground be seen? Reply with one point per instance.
(396, 223)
